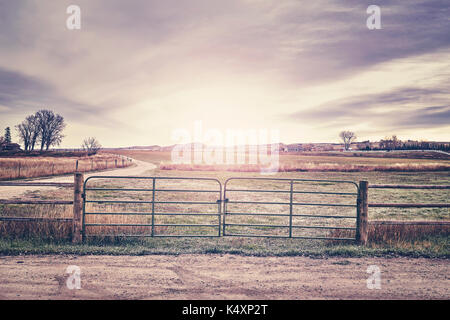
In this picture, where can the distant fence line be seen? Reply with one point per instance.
(79, 165)
(406, 186)
(408, 205)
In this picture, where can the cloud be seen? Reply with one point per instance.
(427, 117)
(20, 94)
(17, 89)
(400, 108)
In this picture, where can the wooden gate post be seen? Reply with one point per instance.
(362, 230)
(77, 236)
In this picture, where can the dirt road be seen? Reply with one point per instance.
(140, 167)
(221, 277)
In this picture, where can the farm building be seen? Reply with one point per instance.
(10, 147)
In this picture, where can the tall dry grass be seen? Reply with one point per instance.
(397, 232)
(18, 168)
(44, 227)
(48, 223)
(57, 230)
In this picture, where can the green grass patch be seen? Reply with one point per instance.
(429, 247)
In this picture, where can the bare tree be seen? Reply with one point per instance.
(91, 145)
(50, 127)
(28, 132)
(347, 137)
(23, 129)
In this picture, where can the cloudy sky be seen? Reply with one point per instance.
(138, 70)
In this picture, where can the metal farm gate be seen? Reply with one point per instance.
(290, 208)
(192, 207)
(151, 207)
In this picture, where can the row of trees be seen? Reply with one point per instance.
(43, 129)
(393, 143)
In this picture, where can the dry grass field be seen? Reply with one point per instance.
(32, 167)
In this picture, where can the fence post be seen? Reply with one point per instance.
(362, 230)
(76, 166)
(77, 236)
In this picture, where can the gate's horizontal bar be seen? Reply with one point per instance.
(186, 214)
(320, 216)
(295, 203)
(323, 227)
(284, 237)
(116, 189)
(148, 225)
(116, 201)
(287, 191)
(187, 225)
(255, 225)
(282, 226)
(156, 213)
(257, 214)
(182, 190)
(288, 215)
(249, 190)
(186, 202)
(317, 192)
(151, 178)
(257, 202)
(150, 236)
(287, 179)
(173, 190)
(165, 202)
(116, 225)
(185, 236)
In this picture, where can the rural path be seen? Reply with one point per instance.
(222, 277)
(10, 192)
